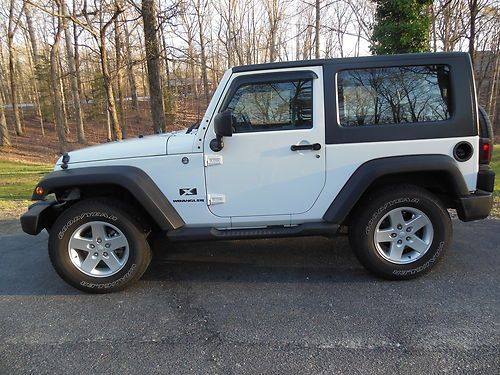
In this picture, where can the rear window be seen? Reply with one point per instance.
(394, 95)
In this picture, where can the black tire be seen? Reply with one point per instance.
(372, 209)
(108, 211)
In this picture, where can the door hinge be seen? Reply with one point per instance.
(216, 199)
(213, 160)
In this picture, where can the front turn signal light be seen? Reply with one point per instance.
(39, 190)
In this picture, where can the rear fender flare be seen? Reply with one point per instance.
(370, 171)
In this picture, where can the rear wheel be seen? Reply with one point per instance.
(98, 246)
(400, 233)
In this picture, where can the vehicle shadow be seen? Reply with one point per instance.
(25, 268)
(313, 259)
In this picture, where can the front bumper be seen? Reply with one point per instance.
(38, 216)
(475, 206)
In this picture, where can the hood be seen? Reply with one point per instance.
(181, 143)
(153, 145)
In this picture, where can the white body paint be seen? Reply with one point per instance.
(259, 179)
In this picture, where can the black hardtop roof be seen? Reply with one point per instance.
(377, 58)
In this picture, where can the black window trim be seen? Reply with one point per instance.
(459, 125)
(270, 77)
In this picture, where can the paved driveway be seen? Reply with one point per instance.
(294, 306)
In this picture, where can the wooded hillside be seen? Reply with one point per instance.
(74, 72)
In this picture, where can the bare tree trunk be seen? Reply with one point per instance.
(473, 9)
(56, 85)
(273, 17)
(32, 35)
(191, 59)
(297, 42)
(119, 76)
(306, 54)
(201, 31)
(144, 73)
(4, 131)
(433, 28)
(108, 87)
(316, 54)
(35, 98)
(446, 28)
(494, 91)
(76, 54)
(130, 71)
(4, 90)
(152, 59)
(36, 62)
(272, 45)
(75, 94)
(231, 4)
(109, 133)
(63, 94)
(167, 65)
(12, 26)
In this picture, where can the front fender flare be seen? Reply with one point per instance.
(133, 179)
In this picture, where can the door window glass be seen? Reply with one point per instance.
(270, 106)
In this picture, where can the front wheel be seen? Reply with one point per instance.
(98, 246)
(400, 233)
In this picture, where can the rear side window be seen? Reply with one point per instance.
(394, 95)
(268, 106)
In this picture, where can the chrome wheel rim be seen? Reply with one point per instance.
(403, 235)
(98, 249)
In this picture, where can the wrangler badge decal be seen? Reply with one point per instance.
(188, 191)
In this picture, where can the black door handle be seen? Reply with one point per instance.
(314, 146)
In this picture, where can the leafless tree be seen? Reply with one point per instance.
(153, 63)
(73, 78)
(4, 131)
(201, 10)
(13, 23)
(317, 29)
(275, 12)
(34, 59)
(130, 69)
(55, 80)
(119, 74)
(175, 51)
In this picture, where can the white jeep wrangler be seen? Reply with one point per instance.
(381, 146)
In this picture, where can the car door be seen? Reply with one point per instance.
(274, 163)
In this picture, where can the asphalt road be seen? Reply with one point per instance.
(294, 306)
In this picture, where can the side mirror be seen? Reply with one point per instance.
(223, 126)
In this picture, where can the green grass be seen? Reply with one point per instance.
(17, 180)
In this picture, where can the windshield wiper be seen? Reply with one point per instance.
(196, 125)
